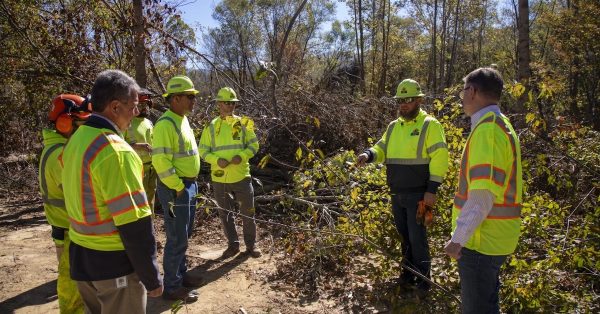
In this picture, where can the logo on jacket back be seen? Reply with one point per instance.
(415, 132)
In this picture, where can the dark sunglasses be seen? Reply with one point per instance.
(405, 100)
(189, 96)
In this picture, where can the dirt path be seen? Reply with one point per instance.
(28, 270)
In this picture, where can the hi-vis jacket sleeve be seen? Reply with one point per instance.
(164, 143)
(122, 187)
(378, 150)
(204, 149)
(437, 149)
(251, 146)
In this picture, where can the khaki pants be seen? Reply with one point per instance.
(125, 294)
(227, 195)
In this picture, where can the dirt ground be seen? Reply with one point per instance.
(28, 269)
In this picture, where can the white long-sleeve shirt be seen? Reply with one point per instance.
(476, 208)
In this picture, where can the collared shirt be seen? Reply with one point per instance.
(110, 122)
(479, 114)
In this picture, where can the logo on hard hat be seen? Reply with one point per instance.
(403, 90)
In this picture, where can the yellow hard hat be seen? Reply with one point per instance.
(180, 84)
(226, 94)
(408, 88)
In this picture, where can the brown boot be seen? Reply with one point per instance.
(231, 251)
(253, 251)
(190, 281)
(181, 294)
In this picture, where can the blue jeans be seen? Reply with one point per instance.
(415, 249)
(179, 224)
(479, 281)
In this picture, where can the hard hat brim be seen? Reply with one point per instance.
(228, 100)
(191, 90)
(419, 95)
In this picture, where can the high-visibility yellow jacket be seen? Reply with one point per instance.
(174, 151)
(140, 131)
(491, 160)
(103, 187)
(224, 139)
(50, 179)
(415, 154)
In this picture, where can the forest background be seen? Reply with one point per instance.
(319, 94)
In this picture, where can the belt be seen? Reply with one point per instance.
(148, 163)
(188, 178)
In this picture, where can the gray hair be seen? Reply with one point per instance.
(488, 81)
(112, 85)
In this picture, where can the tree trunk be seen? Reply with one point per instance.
(523, 53)
(443, 41)
(360, 42)
(454, 44)
(139, 47)
(432, 71)
(374, 44)
(481, 33)
(384, 52)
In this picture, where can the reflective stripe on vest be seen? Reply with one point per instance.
(508, 209)
(126, 202)
(167, 150)
(214, 148)
(419, 160)
(102, 228)
(91, 223)
(49, 201)
(498, 211)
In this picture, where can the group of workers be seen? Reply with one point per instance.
(487, 205)
(100, 164)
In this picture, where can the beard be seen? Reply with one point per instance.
(409, 115)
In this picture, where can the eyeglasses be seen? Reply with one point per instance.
(462, 92)
(189, 96)
(406, 100)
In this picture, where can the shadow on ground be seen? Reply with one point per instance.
(204, 270)
(42, 294)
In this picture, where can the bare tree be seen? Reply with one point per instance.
(523, 52)
(138, 43)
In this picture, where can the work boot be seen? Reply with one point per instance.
(181, 294)
(253, 251)
(190, 281)
(405, 281)
(231, 251)
(422, 290)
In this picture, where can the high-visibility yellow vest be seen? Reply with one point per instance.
(491, 160)
(140, 131)
(50, 179)
(103, 187)
(174, 151)
(414, 151)
(225, 139)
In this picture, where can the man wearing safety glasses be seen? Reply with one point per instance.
(416, 156)
(177, 163)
